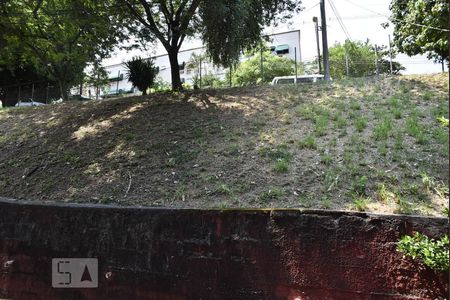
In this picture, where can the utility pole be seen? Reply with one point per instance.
(390, 55)
(324, 40)
(316, 23)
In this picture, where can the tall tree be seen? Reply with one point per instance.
(421, 26)
(59, 37)
(225, 26)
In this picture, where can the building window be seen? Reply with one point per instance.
(282, 49)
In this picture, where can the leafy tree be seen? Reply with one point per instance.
(249, 71)
(97, 77)
(142, 73)
(225, 26)
(420, 27)
(361, 60)
(59, 37)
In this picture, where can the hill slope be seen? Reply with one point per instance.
(361, 144)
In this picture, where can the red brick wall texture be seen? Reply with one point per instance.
(164, 254)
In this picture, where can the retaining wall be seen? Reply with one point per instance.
(147, 253)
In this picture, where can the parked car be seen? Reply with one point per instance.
(28, 102)
(299, 79)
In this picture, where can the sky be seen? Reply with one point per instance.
(362, 19)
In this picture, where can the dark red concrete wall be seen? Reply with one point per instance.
(198, 254)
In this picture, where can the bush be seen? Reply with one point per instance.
(249, 72)
(141, 73)
(434, 254)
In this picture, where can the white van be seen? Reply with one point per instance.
(299, 79)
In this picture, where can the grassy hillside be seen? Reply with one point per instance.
(360, 144)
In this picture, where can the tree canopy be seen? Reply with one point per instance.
(59, 37)
(421, 27)
(225, 26)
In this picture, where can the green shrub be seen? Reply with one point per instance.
(434, 254)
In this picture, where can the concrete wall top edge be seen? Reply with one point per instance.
(274, 211)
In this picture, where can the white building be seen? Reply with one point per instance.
(283, 44)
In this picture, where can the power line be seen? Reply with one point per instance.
(399, 20)
(338, 16)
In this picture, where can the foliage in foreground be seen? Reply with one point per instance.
(434, 254)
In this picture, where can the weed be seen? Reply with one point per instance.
(359, 186)
(180, 193)
(233, 150)
(71, 158)
(306, 112)
(413, 127)
(271, 194)
(308, 142)
(348, 156)
(223, 189)
(361, 124)
(440, 135)
(129, 136)
(321, 125)
(325, 202)
(341, 121)
(355, 105)
(281, 166)
(441, 109)
(360, 203)
(427, 181)
(279, 152)
(326, 159)
(403, 206)
(427, 95)
(397, 112)
(398, 144)
(383, 194)
(394, 102)
(331, 178)
(171, 162)
(382, 148)
(382, 130)
(306, 200)
(197, 132)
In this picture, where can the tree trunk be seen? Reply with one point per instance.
(63, 90)
(175, 70)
